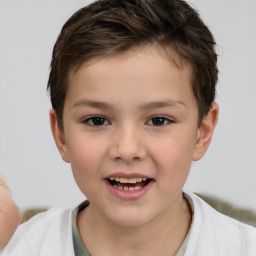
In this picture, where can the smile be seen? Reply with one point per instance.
(129, 185)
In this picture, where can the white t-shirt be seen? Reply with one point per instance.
(211, 234)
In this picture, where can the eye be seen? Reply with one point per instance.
(159, 121)
(96, 121)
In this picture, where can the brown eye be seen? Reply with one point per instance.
(159, 121)
(96, 121)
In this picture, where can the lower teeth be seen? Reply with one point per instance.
(128, 189)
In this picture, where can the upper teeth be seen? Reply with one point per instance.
(130, 180)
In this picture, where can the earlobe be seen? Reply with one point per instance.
(59, 136)
(205, 132)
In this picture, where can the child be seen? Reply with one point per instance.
(9, 214)
(132, 86)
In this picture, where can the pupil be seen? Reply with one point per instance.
(98, 121)
(158, 121)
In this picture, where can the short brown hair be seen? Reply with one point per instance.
(108, 27)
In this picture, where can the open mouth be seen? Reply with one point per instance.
(128, 184)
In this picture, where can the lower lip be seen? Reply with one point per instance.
(129, 195)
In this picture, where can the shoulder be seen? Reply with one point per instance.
(224, 235)
(47, 233)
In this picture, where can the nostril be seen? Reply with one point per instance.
(127, 148)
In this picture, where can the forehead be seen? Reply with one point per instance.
(142, 71)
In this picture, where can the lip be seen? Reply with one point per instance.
(128, 195)
(126, 175)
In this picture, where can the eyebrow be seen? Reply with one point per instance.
(148, 105)
(161, 104)
(93, 104)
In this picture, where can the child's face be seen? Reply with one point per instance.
(132, 115)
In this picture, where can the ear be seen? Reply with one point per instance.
(59, 136)
(205, 132)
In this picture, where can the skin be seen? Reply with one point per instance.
(10, 216)
(129, 85)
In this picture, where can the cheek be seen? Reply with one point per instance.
(85, 158)
(173, 159)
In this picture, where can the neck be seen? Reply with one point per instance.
(161, 236)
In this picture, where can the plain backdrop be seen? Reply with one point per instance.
(28, 157)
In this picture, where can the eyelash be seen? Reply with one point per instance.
(102, 120)
(90, 120)
(166, 120)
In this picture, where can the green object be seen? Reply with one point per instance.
(79, 247)
(243, 215)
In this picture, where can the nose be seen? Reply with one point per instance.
(127, 145)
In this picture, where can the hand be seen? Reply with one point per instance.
(10, 216)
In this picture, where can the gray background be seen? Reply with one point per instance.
(28, 157)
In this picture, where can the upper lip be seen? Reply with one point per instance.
(127, 175)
